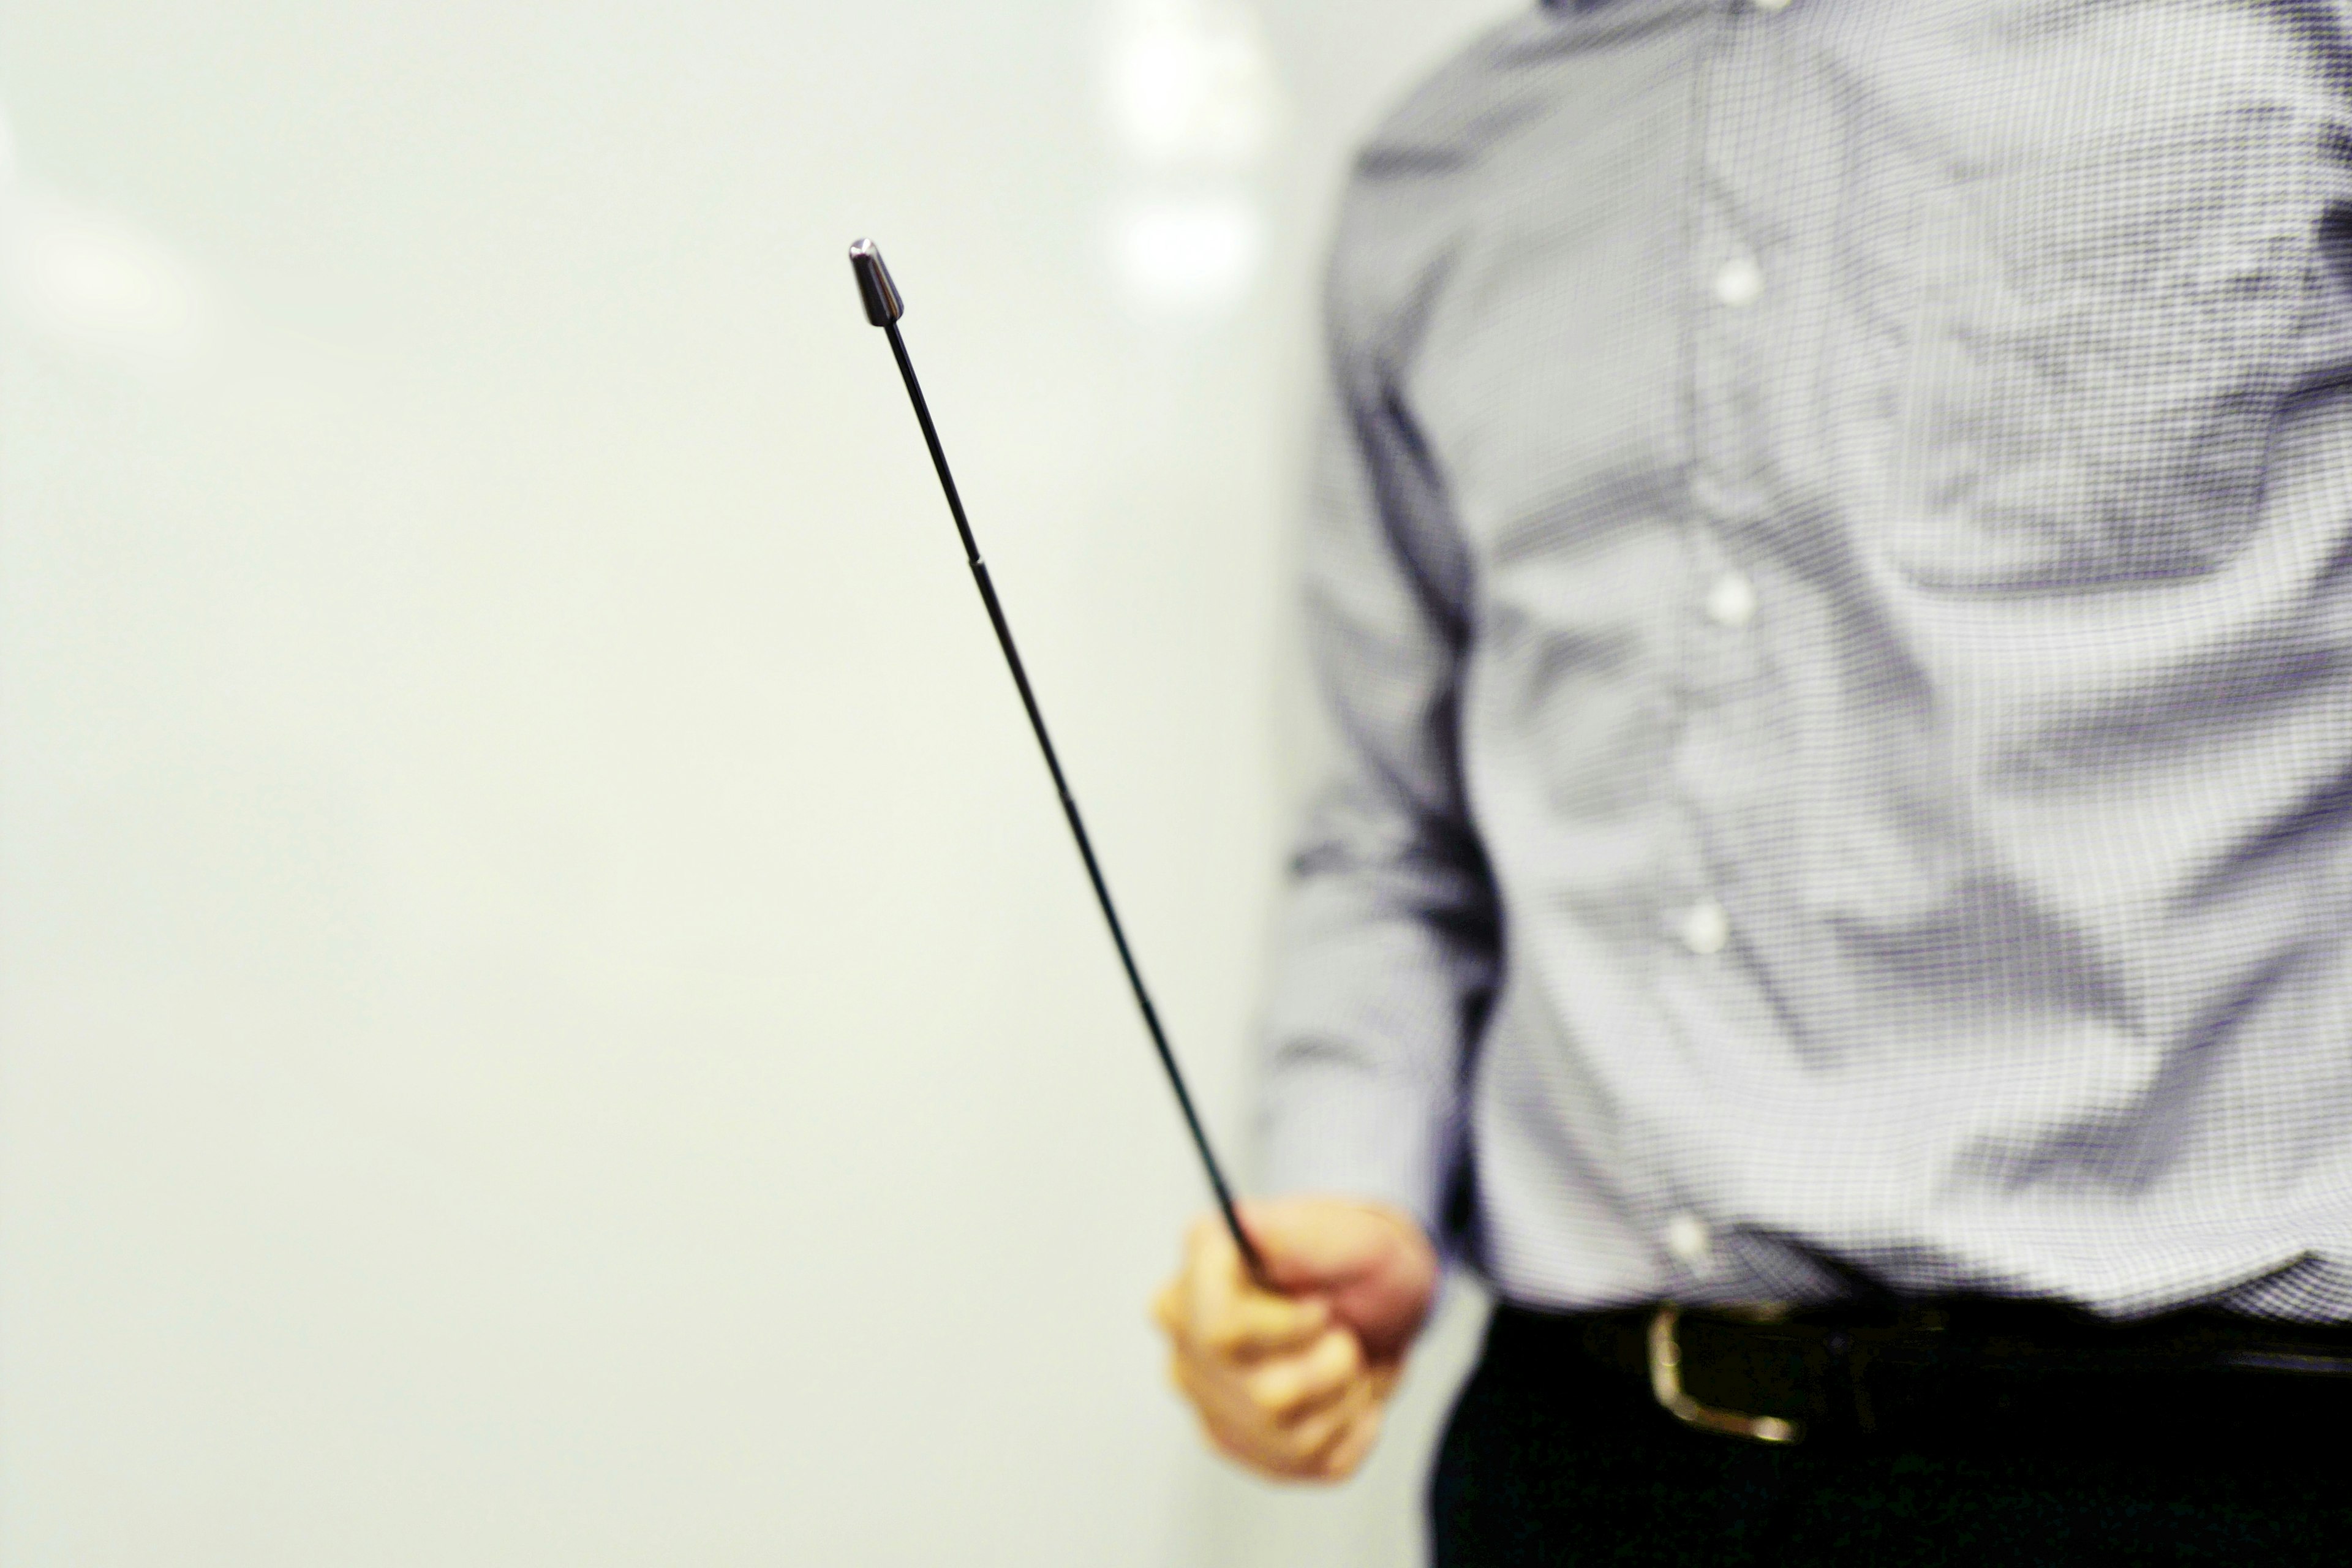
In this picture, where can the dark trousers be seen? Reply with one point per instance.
(1553, 1457)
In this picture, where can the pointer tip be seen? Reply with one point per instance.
(884, 304)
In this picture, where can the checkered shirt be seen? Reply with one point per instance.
(1832, 565)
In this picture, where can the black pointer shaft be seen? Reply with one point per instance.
(883, 305)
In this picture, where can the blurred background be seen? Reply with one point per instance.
(547, 1015)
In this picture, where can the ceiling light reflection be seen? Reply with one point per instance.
(1189, 83)
(91, 279)
(1188, 253)
(98, 280)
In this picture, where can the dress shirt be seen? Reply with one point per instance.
(1832, 565)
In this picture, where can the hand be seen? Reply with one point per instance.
(1293, 1385)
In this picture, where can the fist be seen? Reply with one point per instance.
(1292, 1382)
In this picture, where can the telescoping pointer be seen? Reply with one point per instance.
(883, 305)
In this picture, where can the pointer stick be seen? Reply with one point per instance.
(883, 308)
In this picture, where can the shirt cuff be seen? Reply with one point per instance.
(1333, 1128)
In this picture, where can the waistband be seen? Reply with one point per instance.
(1961, 1374)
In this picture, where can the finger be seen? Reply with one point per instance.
(1305, 1443)
(1316, 1241)
(1348, 1453)
(1256, 1325)
(1190, 1383)
(1212, 1278)
(1237, 1431)
(1371, 1263)
(1241, 1432)
(1292, 1386)
(1233, 1449)
(1227, 1316)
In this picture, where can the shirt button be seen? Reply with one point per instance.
(1688, 1241)
(1738, 281)
(1731, 600)
(1706, 928)
(1770, 7)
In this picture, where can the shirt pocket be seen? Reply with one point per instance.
(2101, 344)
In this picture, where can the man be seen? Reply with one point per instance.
(1832, 568)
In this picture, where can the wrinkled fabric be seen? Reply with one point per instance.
(1828, 567)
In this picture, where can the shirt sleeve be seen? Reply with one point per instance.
(1388, 941)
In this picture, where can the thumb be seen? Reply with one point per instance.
(1371, 1263)
(1311, 1244)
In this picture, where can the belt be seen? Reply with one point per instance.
(1967, 1374)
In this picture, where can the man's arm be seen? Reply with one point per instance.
(1389, 950)
(1388, 945)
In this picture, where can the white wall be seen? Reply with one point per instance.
(546, 1013)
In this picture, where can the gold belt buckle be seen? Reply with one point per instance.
(1666, 1386)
